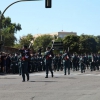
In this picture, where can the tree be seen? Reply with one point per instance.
(97, 39)
(59, 39)
(43, 41)
(8, 30)
(72, 42)
(26, 40)
(55, 37)
(87, 44)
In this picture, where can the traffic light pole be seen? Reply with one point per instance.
(10, 6)
(1, 15)
(48, 4)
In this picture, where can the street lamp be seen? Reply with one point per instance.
(1, 14)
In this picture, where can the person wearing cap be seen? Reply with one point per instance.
(14, 61)
(48, 61)
(25, 56)
(75, 60)
(66, 62)
(19, 64)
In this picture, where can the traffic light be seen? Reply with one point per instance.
(48, 3)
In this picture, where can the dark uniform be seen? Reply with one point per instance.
(48, 61)
(87, 62)
(25, 53)
(59, 62)
(32, 63)
(20, 64)
(97, 62)
(8, 63)
(75, 60)
(83, 64)
(93, 63)
(14, 63)
(36, 63)
(40, 63)
(66, 62)
(55, 62)
(90, 61)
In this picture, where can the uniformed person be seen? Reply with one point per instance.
(36, 63)
(55, 62)
(32, 63)
(93, 63)
(43, 63)
(90, 59)
(83, 64)
(59, 62)
(8, 63)
(39, 63)
(75, 59)
(71, 62)
(48, 61)
(25, 54)
(87, 61)
(19, 64)
(97, 62)
(78, 62)
(66, 62)
(16, 66)
(14, 62)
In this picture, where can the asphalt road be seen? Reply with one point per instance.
(76, 86)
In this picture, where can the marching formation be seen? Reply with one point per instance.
(25, 62)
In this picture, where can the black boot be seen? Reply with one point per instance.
(23, 81)
(52, 74)
(28, 78)
(46, 76)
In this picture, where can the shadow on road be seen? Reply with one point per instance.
(7, 78)
(66, 77)
(43, 81)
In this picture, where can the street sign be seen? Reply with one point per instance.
(58, 45)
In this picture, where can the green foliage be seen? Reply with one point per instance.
(26, 40)
(43, 41)
(8, 29)
(87, 44)
(59, 40)
(97, 39)
(55, 37)
(72, 42)
(17, 46)
(82, 44)
(78, 44)
(9, 26)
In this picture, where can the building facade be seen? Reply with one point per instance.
(64, 34)
(58, 34)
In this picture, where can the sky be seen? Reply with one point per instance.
(80, 16)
